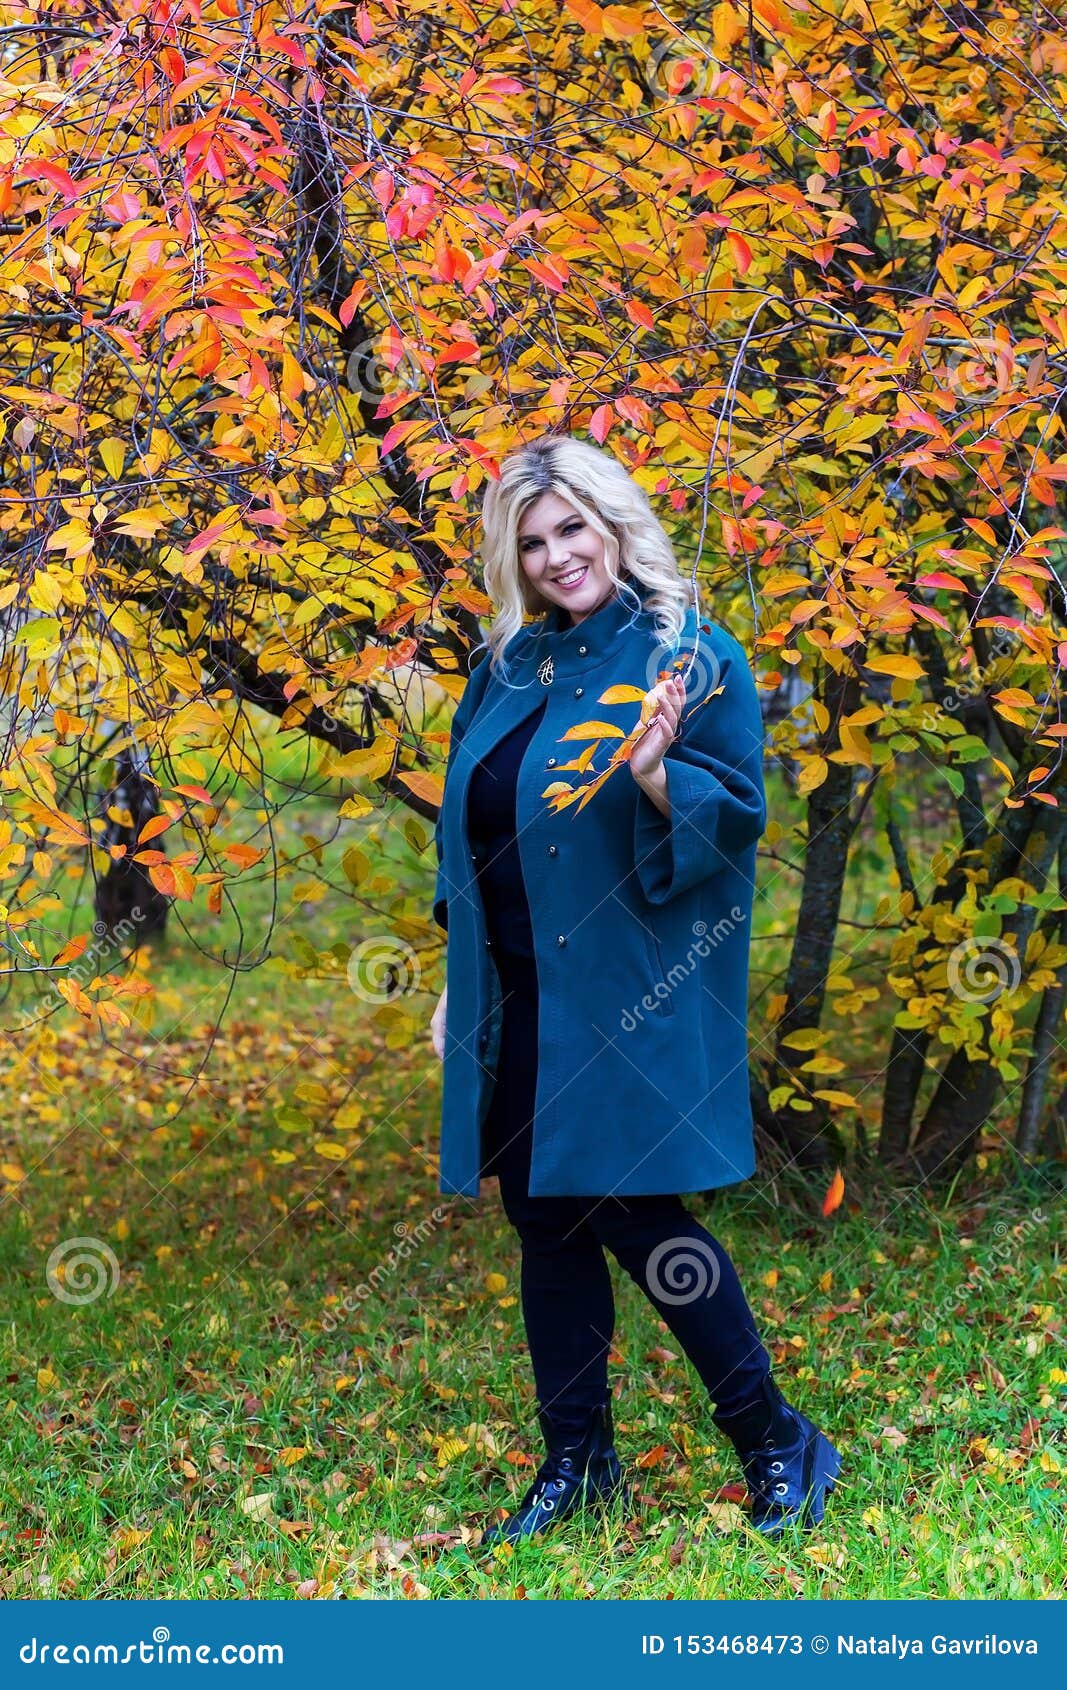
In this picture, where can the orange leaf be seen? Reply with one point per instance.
(152, 827)
(652, 1457)
(834, 1194)
(162, 878)
(69, 952)
(244, 855)
(424, 786)
(74, 995)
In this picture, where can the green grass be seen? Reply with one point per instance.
(236, 1418)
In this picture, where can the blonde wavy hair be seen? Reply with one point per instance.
(637, 551)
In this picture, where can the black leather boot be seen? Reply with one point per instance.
(581, 1468)
(789, 1465)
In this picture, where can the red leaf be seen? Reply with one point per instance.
(639, 313)
(59, 178)
(740, 249)
(600, 423)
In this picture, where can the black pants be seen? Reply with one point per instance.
(567, 1301)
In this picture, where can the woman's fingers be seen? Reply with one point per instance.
(666, 698)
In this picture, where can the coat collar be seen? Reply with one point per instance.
(576, 648)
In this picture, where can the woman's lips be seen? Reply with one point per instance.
(569, 586)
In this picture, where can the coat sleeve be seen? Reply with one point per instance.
(714, 773)
(460, 718)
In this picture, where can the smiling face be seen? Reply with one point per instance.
(563, 556)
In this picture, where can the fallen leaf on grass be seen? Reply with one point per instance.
(292, 1454)
(259, 1506)
(725, 1517)
(652, 1457)
(730, 1493)
(294, 1528)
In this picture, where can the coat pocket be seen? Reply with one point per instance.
(660, 985)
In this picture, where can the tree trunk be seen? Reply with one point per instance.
(127, 904)
(967, 1090)
(830, 829)
(1049, 1020)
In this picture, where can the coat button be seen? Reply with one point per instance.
(488, 943)
(551, 763)
(582, 649)
(553, 850)
(562, 939)
(578, 691)
(483, 1042)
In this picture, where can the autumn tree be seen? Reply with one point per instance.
(281, 285)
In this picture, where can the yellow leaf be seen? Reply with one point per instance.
(973, 291)
(292, 1454)
(370, 763)
(622, 694)
(46, 1379)
(113, 457)
(12, 1171)
(333, 1152)
(895, 663)
(813, 773)
(594, 730)
(823, 1064)
(45, 592)
(495, 1282)
(804, 1038)
(448, 1449)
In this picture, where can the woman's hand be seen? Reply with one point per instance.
(661, 711)
(437, 1026)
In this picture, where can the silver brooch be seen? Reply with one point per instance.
(544, 673)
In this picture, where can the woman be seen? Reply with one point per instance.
(593, 1024)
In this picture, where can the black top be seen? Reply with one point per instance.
(491, 824)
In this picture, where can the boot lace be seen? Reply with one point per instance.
(764, 1472)
(552, 1475)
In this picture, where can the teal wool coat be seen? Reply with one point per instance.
(641, 923)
